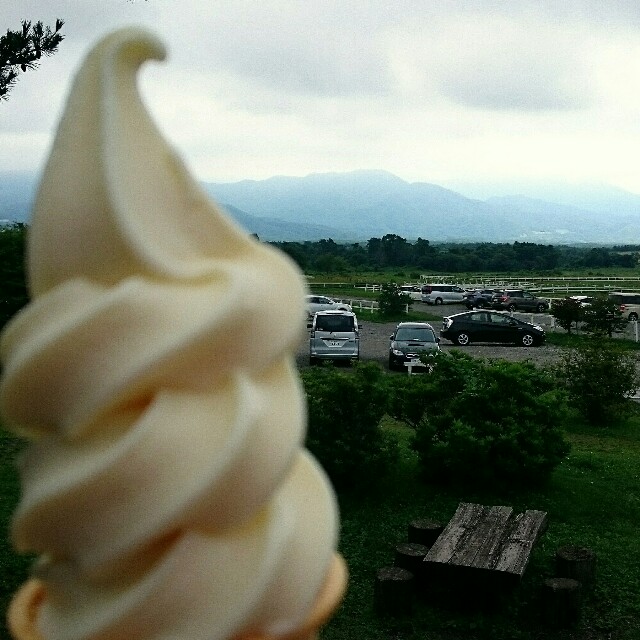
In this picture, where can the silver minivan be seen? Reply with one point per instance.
(334, 336)
(442, 293)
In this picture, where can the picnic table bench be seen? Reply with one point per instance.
(485, 545)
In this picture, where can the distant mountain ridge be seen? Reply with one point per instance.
(355, 206)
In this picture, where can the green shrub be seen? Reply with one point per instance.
(599, 376)
(486, 422)
(345, 410)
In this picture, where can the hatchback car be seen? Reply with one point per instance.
(315, 303)
(334, 336)
(409, 341)
(490, 326)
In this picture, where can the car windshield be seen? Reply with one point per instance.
(334, 323)
(423, 334)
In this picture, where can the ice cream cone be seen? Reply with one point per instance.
(23, 610)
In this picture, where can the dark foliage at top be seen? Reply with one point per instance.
(21, 50)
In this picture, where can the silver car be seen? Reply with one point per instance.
(334, 336)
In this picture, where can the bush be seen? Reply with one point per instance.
(345, 410)
(392, 301)
(487, 422)
(599, 377)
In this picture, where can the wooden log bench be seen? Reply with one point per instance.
(484, 547)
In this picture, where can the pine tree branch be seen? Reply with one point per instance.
(23, 49)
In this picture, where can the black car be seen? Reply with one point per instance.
(490, 326)
(409, 340)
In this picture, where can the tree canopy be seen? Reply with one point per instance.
(22, 49)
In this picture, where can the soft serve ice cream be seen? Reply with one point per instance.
(165, 490)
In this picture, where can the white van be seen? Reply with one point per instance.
(442, 293)
(334, 336)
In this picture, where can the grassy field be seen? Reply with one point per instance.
(592, 500)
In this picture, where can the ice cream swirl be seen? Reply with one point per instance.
(165, 489)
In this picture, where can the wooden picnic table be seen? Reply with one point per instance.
(485, 545)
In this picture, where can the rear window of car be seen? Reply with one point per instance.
(334, 323)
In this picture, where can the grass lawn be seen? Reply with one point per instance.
(593, 500)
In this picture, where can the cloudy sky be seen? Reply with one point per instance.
(442, 91)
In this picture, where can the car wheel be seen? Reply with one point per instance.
(480, 304)
(438, 301)
(313, 361)
(463, 339)
(633, 317)
(541, 307)
(392, 364)
(511, 307)
(528, 340)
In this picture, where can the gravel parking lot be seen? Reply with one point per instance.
(374, 340)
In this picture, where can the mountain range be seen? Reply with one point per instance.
(355, 206)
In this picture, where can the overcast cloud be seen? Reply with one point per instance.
(441, 91)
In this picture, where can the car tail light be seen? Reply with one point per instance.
(622, 308)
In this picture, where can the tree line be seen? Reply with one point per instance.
(392, 250)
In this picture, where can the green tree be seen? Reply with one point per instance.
(602, 317)
(567, 311)
(345, 410)
(21, 50)
(392, 301)
(13, 288)
(599, 378)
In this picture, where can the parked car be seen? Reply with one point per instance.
(317, 303)
(412, 290)
(519, 300)
(583, 301)
(334, 335)
(490, 326)
(629, 304)
(409, 340)
(442, 293)
(480, 298)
